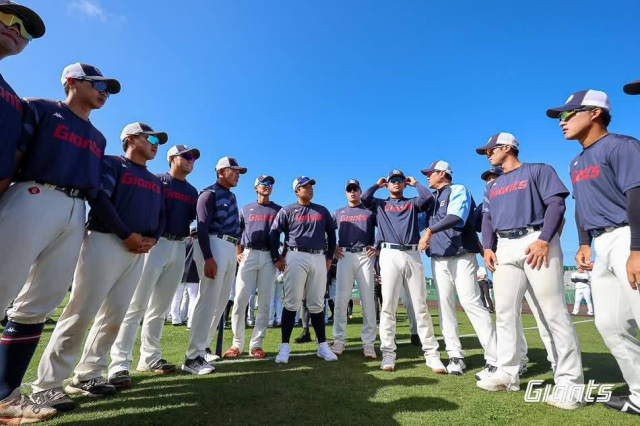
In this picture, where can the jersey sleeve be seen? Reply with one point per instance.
(30, 122)
(459, 202)
(625, 163)
(422, 221)
(279, 224)
(110, 176)
(548, 182)
(485, 199)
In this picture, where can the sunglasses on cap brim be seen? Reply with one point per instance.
(9, 20)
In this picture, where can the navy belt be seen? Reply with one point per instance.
(70, 192)
(518, 232)
(599, 231)
(354, 249)
(401, 247)
(228, 238)
(305, 250)
(172, 237)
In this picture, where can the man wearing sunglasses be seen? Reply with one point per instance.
(524, 208)
(451, 241)
(310, 241)
(216, 258)
(605, 177)
(400, 264)
(60, 154)
(355, 253)
(128, 207)
(161, 275)
(256, 270)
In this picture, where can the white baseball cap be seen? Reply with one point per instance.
(88, 72)
(592, 98)
(502, 138)
(230, 163)
(302, 180)
(139, 128)
(181, 149)
(263, 178)
(439, 166)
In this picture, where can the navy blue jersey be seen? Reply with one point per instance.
(304, 226)
(516, 198)
(356, 226)
(60, 148)
(600, 175)
(136, 194)
(218, 206)
(11, 128)
(255, 222)
(180, 201)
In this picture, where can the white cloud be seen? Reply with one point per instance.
(92, 9)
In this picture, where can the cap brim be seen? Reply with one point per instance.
(161, 135)
(394, 175)
(194, 151)
(352, 184)
(241, 170)
(555, 112)
(632, 88)
(426, 171)
(113, 84)
(31, 19)
(485, 175)
(482, 150)
(310, 182)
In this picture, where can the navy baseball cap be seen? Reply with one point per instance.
(88, 72)
(632, 88)
(502, 138)
(492, 171)
(302, 180)
(441, 166)
(352, 182)
(394, 173)
(138, 128)
(33, 22)
(230, 163)
(182, 149)
(593, 98)
(264, 178)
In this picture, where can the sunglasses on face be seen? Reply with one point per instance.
(10, 20)
(265, 183)
(568, 115)
(100, 86)
(396, 179)
(353, 189)
(188, 156)
(490, 151)
(153, 140)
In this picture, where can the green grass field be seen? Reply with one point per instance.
(310, 391)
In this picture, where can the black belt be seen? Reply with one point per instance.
(172, 237)
(305, 250)
(354, 249)
(518, 232)
(70, 192)
(599, 231)
(401, 247)
(259, 249)
(232, 240)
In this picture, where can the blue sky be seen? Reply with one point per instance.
(342, 89)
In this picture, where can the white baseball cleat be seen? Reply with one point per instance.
(338, 348)
(563, 403)
(210, 357)
(197, 366)
(388, 362)
(456, 366)
(283, 354)
(486, 372)
(369, 351)
(434, 363)
(497, 382)
(325, 353)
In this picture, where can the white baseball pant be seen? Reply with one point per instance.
(411, 314)
(458, 274)
(105, 279)
(512, 278)
(189, 301)
(161, 274)
(213, 294)
(617, 305)
(176, 313)
(582, 293)
(41, 230)
(275, 307)
(305, 278)
(355, 267)
(543, 331)
(255, 272)
(404, 269)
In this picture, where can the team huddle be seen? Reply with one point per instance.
(127, 259)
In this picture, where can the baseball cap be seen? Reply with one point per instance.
(33, 22)
(502, 138)
(594, 98)
(632, 88)
(352, 182)
(263, 178)
(230, 163)
(89, 72)
(492, 171)
(302, 180)
(394, 173)
(138, 128)
(181, 149)
(441, 166)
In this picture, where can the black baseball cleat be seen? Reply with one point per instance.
(94, 388)
(120, 380)
(54, 398)
(622, 404)
(305, 337)
(415, 340)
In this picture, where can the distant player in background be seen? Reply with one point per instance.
(580, 280)
(188, 289)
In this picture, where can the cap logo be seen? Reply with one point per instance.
(34, 190)
(569, 100)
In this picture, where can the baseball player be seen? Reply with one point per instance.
(275, 307)
(185, 296)
(256, 270)
(60, 153)
(161, 274)
(310, 241)
(129, 205)
(451, 242)
(605, 177)
(580, 280)
(355, 254)
(400, 264)
(216, 258)
(524, 208)
(483, 283)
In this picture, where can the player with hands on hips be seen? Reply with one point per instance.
(605, 177)
(401, 265)
(310, 242)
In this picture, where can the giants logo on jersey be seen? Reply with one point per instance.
(390, 208)
(131, 180)
(309, 218)
(11, 99)
(590, 172)
(63, 132)
(261, 217)
(518, 185)
(353, 218)
(175, 195)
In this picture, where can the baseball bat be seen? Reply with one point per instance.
(220, 337)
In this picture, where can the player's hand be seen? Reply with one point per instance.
(337, 254)
(240, 257)
(210, 269)
(281, 264)
(583, 258)
(133, 242)
(537, 253)
(328, 264)
(147, 244)
(372, 252)
(382, 182)
(411, 181)
(633, 269)
(490, 260)
(425, 240)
